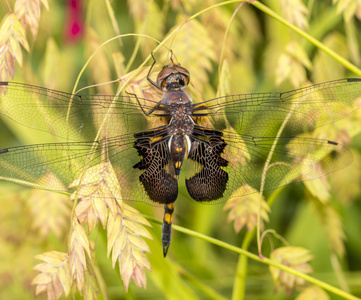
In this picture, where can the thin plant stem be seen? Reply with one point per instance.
(225, 38)
(264, 260)
(239, 285)
(312, 40)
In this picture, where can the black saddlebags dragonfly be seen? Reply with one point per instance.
(224, 146)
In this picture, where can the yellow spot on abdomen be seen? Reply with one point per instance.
(170, 206)
(168, 218)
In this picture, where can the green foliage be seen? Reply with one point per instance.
(228, 49)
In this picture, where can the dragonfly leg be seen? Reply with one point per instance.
(147, 113)
(171, 56)
(150, 70)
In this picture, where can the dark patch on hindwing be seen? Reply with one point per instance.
(210, 183)
(160, 186)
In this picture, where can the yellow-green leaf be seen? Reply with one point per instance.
(243, 210)
(54, 277)
(28, 13)
(291, 65)
(194, 49)
(295, 12)
(294, 257)
(313, 293)
(331, 222)
(13, 33)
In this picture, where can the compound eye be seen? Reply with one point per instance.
(173, 70)
(162, 76)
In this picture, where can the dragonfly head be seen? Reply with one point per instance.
(173, 77)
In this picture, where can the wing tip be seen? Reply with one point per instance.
(353, 79)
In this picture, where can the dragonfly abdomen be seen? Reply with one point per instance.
(177, 148)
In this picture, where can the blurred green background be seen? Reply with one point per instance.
(258, 55)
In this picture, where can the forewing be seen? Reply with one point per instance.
(302, 110)
(73, 117)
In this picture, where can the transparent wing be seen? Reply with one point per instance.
(262, 136)
(78, 118)
(242, 164)
(37, 164)
(274, 162)
(261, 114)
(74, 117)
(266, 138)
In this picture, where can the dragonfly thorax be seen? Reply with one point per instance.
(181, 122)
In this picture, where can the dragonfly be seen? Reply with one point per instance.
(221, 148)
